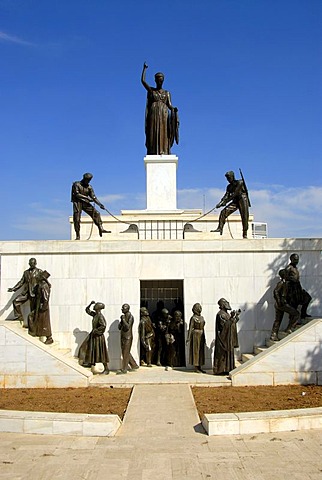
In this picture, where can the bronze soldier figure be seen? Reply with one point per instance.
(82, 196)
(237, 195)
(295, 292)
(281, 305)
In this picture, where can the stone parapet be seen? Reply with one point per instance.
(47, 423)
(262, 422)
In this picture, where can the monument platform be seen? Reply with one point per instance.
(135, 271)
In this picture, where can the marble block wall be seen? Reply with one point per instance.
(25, 363)
(161, 182)
(243, 271)
(297, 359)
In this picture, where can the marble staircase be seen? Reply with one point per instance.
(245, 357)
(295, 359)
(26, 362)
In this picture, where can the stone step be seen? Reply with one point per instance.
(259, 349)
(270, 342)
(246, 356)
(64, 351)
(281, 334)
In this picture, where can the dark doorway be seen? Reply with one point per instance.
(159, 294)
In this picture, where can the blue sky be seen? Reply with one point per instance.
(246, 76)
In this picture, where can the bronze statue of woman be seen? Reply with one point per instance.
(161, 118)
(196, 338)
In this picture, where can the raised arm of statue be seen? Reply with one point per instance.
(88, 309)
(143, 81)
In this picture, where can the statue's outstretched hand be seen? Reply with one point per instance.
(145, 65)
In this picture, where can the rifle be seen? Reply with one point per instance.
(245, 186)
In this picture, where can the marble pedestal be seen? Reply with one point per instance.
(161, 182)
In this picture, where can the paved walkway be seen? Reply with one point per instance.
(159, 375)
(160, 410)
(161, 440)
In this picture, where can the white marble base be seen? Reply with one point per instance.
(243, 271)
(161, 182)
(25, 362)
(296, 359)
(262, 422)
(49, 423)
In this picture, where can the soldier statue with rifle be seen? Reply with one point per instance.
(235, 198)
(82, 197)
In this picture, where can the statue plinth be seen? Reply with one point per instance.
(161, 182)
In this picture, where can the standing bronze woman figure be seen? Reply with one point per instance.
(93, 349)
(161, 118)
(196, 338)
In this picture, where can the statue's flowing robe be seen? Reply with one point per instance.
(225, 342)
(197, 341)
(93, 349)
(161, 127)
(39, 318)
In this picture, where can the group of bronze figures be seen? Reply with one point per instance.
(161, 335)
(235, 198)
(161, 131)
(35, 289)
(289, 295)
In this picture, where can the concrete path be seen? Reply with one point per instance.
(160, 411)
(161, 440)
(283, 456)
(158, 375)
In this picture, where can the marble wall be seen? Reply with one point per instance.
(29, 364)
(243, 271)
(296, 359)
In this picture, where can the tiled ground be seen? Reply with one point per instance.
(161, 439)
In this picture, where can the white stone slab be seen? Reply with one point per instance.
(261, 422)
(40, 426)
(102, 426)
(161, 182)
(306, 378)
(207, 267)
(253, 422)
(284, 423)
(65, 427)
(52, 423)
(309, 421)
(284, 378)
(221, 424)
(319, 378)
(13, 425)
(15, 381)
(263, 378)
